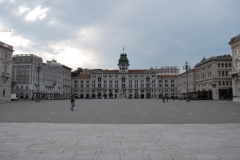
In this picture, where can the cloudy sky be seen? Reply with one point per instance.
(91, 33)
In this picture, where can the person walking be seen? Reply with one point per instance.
(173, 98)
(72, 102)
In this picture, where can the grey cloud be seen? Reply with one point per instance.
(153, 32)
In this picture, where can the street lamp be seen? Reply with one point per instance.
(187, 67)
(38, 70)
(162, 88)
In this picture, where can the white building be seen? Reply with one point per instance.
(123, 83)
(6, 52)
(168, 71)
(213, 77)
(32, 76)
(235, 73)
(187, 83)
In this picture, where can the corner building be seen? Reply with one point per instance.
(123, 83)
(31, 76)
(213, 76)
(235, 73)
(6, 52)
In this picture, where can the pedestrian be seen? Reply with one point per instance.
(163, 99)
(72, 102)
(173, 98)
(167, 98)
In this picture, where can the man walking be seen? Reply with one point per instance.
(72, 102)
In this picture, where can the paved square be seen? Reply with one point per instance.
(120, 129)
(121, 111)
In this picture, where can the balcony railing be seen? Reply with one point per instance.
(5, 74)
(235, 72)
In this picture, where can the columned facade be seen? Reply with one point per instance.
(32, 77)
(235, 73)
(123, 83)
(213, 77)
(6, 52)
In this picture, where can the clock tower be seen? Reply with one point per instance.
(123, 63)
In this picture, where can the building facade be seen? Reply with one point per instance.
(235, 73)
(6, 52)
(123, 83)
(168, 71)
(213, 77)
(32, 77)
(66, 82)
(187, 83)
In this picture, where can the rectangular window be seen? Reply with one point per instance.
(3, 92)
(226, 73)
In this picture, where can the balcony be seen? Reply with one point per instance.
(5, 74)
(235, 72)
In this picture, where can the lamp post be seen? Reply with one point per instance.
(38, 70)
(162, 89)
(187, 67)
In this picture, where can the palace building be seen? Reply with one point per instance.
(235, 73)
(30, 76)
(123, 83)
(6, 52)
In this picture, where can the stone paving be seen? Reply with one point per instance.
(61, 140)
(121, 111)
(119, 142)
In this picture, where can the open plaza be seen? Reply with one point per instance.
(121, 129)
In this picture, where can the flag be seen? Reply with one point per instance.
(54, 84)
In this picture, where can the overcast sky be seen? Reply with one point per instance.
(91, 33)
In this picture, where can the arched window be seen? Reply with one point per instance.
(147, 79)
(218, 65)
(225, 65)
(123, 79)
(229, 65)
(237, 63)
(99, 79)
(222, 65)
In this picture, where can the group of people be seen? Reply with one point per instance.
(166, 97)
